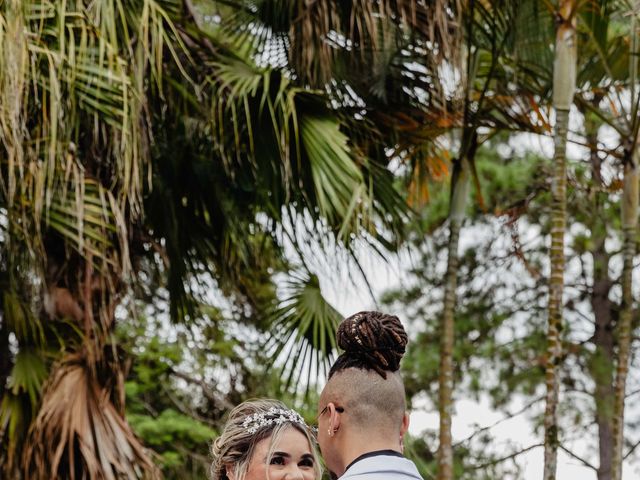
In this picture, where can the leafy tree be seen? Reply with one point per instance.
(487, 100)
(158, 142)
(510, 46)
(499, 348)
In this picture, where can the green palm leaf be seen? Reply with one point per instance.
(86, 218)
(28, 375)
(253, 106)
(338, 181)
(14, 417)
(20, 320)
(302, 331)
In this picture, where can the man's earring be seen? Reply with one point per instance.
(330, 432)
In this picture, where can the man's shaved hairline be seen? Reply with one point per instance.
(371, 401)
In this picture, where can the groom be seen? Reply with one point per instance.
(362, 411)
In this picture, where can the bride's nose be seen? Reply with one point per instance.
(293, 473)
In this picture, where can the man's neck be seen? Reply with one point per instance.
(356, 446)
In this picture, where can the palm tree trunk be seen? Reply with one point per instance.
(564, 81)
(629, 213)
(460, 189)
(85, 435)
(629, 229)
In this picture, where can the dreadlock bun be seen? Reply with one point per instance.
(371, 341)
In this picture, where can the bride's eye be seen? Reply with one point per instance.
(306, 462)
(277, 460)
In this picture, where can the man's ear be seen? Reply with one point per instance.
(334, 418)
(403, 429)
(405, 424)
(231, 475)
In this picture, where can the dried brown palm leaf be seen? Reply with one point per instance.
(321, 28)
(78, 433)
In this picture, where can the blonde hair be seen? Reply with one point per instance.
(236, 444)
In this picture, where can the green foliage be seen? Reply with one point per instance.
(19, 318)
(170, 427)
(471, 462)
(153, 396)
(306, 314)
(176, 437)
(152, 155)
(500, 318)
(28, 374)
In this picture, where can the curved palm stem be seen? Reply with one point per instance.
(564, 82)
(445, 378)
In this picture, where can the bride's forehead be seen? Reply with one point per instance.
(292, 437)
(290, 440)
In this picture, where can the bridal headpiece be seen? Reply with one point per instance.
(277, 416)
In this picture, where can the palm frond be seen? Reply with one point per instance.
(606, 55)
(28, 375)
(15, 414)
(338, 181)
(20, 320)
(303, 331)
(65, 65)
(87, 218)
(312, 35)
(78, 433)
(258, 106)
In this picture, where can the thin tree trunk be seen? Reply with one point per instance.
(629, 213)
(564, 80)
(601, 363)
(457, 205)
(629, 229)
(601, 367)
(459, 195)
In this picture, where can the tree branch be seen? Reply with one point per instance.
(631, 394)
(581, 460)
(184, 409)
(631, 450)
(508, 417)
(210, 394)
(508, 457)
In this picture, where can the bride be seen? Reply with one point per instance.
(264, 440)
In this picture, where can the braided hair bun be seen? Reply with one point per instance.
(371, 341)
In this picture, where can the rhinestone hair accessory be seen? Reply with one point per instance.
(255, 422)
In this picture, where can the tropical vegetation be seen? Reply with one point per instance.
(177, 178)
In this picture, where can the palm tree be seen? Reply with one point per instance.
(608, 67)
(460, 192)
(151, 136)
(60, 73)
(494, 32)
(564, 83)
(457, 206)
(629, 217)
(601, 66)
